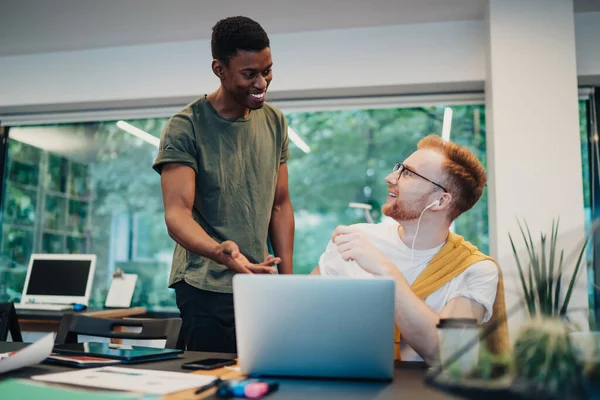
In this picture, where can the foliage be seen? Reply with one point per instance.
(492, 365)
(543, 286)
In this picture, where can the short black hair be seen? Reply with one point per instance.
(234, 34)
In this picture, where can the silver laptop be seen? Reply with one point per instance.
(57, 281)
(313, 326)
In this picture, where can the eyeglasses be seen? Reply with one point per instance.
(400, 168)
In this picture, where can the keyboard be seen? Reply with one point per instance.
(43, 307)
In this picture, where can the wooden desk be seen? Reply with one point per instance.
(408, 383)
(48, 321)
(222, 373)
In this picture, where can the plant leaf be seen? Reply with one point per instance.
(558, 283)
(524, 238)
(535, 267)
(533, 253)
(565, 305)
(531, 291)
(552, 255)
(528, 298)
(543, 287)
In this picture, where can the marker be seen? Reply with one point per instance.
(250, 388)
(6, 355)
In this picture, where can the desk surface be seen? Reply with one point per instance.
(407, 384)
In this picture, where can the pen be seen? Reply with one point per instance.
(214, 383)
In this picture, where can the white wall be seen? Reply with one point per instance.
(399, 55)
(421, 57)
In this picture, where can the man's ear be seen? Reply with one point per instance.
(218, 69)
(446, 200)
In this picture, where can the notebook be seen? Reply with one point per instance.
(80, 361)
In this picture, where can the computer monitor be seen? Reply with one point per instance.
(312, 326)
(59, 279)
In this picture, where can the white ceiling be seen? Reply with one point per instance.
(39, 26)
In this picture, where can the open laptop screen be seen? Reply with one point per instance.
(59, 277)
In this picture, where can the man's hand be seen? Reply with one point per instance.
(353, 245)
(228, 253)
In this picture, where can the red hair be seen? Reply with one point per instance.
(464, 175)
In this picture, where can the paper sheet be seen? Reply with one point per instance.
(121, 291)
(135, 380)
(33, 354)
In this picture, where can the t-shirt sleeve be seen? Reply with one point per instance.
(479, 283)
(331, 263)
(177, 144)
(326, 264)
(285, 154)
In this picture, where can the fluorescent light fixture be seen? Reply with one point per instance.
(145, 136)
(155, 141)
(298, 141)
(447, 124)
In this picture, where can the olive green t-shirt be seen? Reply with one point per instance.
(236, 163)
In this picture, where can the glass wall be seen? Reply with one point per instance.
(89, 187)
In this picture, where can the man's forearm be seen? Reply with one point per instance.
(281, 232)
(416, 320)
(189, 234)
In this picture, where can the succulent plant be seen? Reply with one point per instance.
(544, 361)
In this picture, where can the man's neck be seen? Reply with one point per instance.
(430, 235)
(225, 106)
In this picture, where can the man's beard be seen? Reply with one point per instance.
(404, 210)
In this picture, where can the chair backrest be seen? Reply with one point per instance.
(9, 323)
(73, 325)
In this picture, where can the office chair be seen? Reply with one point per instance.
(72, 325)
(9, 323)
(366, 208)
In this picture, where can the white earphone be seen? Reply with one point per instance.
(412, 248)
(435, 203)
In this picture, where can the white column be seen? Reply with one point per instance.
(533, 142)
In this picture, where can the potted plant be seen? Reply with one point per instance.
(542, 289)
(543, 363)
(543, 356)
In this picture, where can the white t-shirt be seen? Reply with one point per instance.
(478, 282)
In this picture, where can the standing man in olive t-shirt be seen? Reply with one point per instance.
(224, 178)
